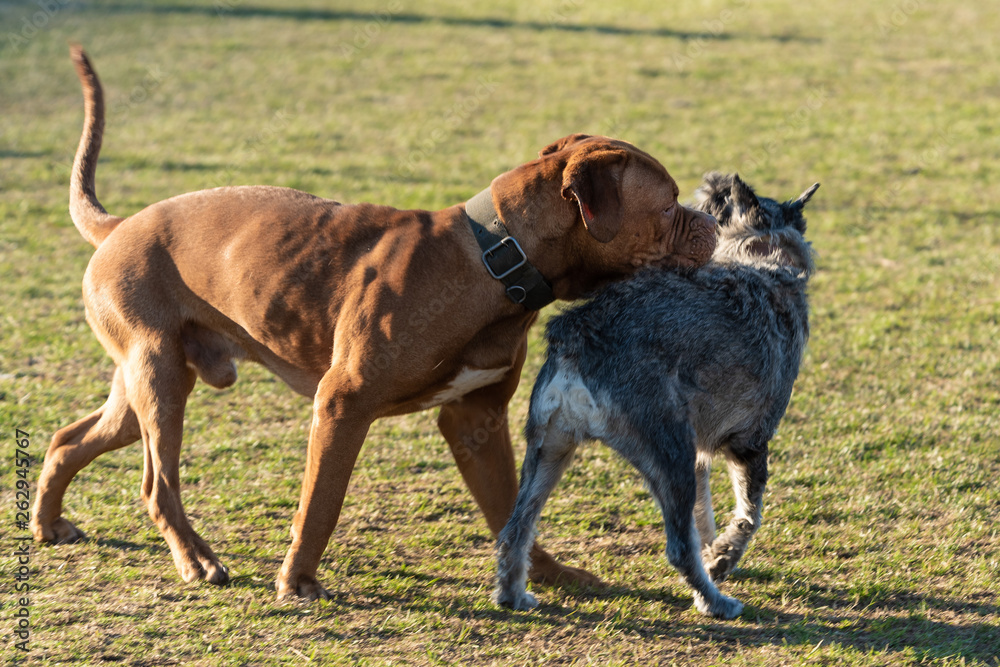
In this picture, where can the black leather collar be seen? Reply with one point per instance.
(503, 256)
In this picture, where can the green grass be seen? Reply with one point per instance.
(880, 542)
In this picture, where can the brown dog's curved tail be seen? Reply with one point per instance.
(87, 213)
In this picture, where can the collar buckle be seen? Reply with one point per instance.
(493, 254)
(503, 256)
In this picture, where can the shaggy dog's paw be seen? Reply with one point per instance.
(721, 606)
(522, 601)
(719, 560)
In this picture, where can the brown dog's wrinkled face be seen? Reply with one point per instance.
(627, 213)
(662, 231)
(694, 239)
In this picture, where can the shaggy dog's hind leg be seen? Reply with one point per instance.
(666, 458)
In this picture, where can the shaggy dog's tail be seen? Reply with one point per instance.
(88, 215)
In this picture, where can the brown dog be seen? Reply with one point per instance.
(344, 303)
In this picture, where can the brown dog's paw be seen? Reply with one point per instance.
(553, 573)
(212, 572)
(302, 587)
(59, 531)
(202, 564)
(215, 572)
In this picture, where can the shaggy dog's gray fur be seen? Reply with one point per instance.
(671, 370)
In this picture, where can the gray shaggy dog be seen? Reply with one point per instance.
(670, 371)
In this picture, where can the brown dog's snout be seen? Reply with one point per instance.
(707, 222)
(699, 241)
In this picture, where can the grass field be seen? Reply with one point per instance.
(880, 542)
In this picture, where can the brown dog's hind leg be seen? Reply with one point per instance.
(112, 426)
(158, 382)
(476, 429)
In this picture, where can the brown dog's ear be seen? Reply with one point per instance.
(594, 179)
(562, 143)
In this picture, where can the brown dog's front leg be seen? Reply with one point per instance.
(337, 434)
(476, 429)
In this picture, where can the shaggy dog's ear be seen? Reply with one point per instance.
(743, 196)
(793, 209)
(713, 196)
(804, 198)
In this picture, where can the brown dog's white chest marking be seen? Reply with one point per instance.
(467, 380)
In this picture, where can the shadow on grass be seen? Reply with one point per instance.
(893, 621)
(235, 9)
(890, 619)
(126, 545)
